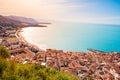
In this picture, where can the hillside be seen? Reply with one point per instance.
(8, 22)
(22, 19)
(17, 21)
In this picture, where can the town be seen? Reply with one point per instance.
(95, 64)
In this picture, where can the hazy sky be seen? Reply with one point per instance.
(96, 11)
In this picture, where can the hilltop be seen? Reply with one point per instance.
(4, 21)
(22, 19)
(18, 21)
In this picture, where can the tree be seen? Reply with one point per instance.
(4, 53)
(3, 65)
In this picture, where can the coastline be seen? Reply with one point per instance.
(56, 37)
(22, 39)
(94, 64)
(81, 64)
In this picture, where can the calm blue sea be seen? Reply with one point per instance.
(75, 36)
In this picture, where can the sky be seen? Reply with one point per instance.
(90, 11)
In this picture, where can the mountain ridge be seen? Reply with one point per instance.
(22, 19)
(17, 21)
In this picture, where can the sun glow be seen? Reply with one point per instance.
(46, 9)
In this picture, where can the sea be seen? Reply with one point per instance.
(77, 37)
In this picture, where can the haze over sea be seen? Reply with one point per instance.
(75, 36)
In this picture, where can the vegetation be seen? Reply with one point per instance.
(10, 70)
(4, 53)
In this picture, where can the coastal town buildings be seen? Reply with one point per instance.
(96, 65)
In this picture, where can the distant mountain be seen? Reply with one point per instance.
(22, 19)
(17, 21)
(8, 22)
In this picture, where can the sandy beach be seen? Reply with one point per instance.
(23, 40)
